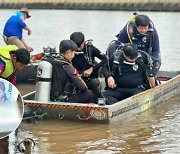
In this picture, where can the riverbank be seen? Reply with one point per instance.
(135, 6)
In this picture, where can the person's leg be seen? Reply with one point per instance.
(112, 95)
(82, 97)
(95, 86)
(134, 91)
(13, 40)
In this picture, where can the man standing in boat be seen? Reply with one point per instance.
(74, 88)
(141, 31)
(12, 59)
(128, 72)
(84, 61)
(14, 28)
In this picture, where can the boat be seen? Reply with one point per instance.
(28, 74)
(100, 113)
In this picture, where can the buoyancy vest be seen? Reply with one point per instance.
(60, 83)
(147, 40)
(117, 69)
(6, 58)
(88, 51)
(84, 59)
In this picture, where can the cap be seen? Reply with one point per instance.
(25, 10)
(67, 45)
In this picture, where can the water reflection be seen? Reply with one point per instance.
(154, 131)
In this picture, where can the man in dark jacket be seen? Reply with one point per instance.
(125, 73)
(143, 33)
(83, 94)
(84, 61)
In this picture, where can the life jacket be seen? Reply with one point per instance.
(132, 34)
(61, 86)
(6, 58)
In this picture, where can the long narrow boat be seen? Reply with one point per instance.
(104, 113)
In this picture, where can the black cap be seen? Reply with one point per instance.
(66, 45)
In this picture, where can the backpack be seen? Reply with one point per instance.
(59, 80)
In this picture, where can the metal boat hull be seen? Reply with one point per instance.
(102, 113)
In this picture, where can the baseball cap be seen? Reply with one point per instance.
(25, 10)
(67, 45)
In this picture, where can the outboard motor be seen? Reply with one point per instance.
(43, 81)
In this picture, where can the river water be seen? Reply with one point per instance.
(154, 131)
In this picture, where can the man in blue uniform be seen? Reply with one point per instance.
(14, 28)
(127, 73)
(143, 33)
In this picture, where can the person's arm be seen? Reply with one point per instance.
(28, 30)
(75, 77)
(21, 22)
(25, 27)
(152, 71)
(123, 37)
(25, 44)
(13, 79)
(155, 47)
(96, 53)
(106, 70)
(2, 67)
(107, 67)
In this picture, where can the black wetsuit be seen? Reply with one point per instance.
(86, 59)
(130, 79)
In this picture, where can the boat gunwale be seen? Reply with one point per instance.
(92, 106)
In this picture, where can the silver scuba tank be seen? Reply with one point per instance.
(43, 81)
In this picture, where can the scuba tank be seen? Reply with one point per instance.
(43, 81)
(88, 51)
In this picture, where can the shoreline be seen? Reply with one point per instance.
(171, 7)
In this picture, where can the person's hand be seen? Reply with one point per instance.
(88, 72)
(111, 82)
(152, 83)
(30, 48)
(29, 32)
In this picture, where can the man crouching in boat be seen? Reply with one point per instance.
(81, 94)
(128, 72)
(12, 60)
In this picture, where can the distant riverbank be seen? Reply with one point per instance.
(139, 5)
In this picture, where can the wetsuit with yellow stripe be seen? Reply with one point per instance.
(129, 34)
